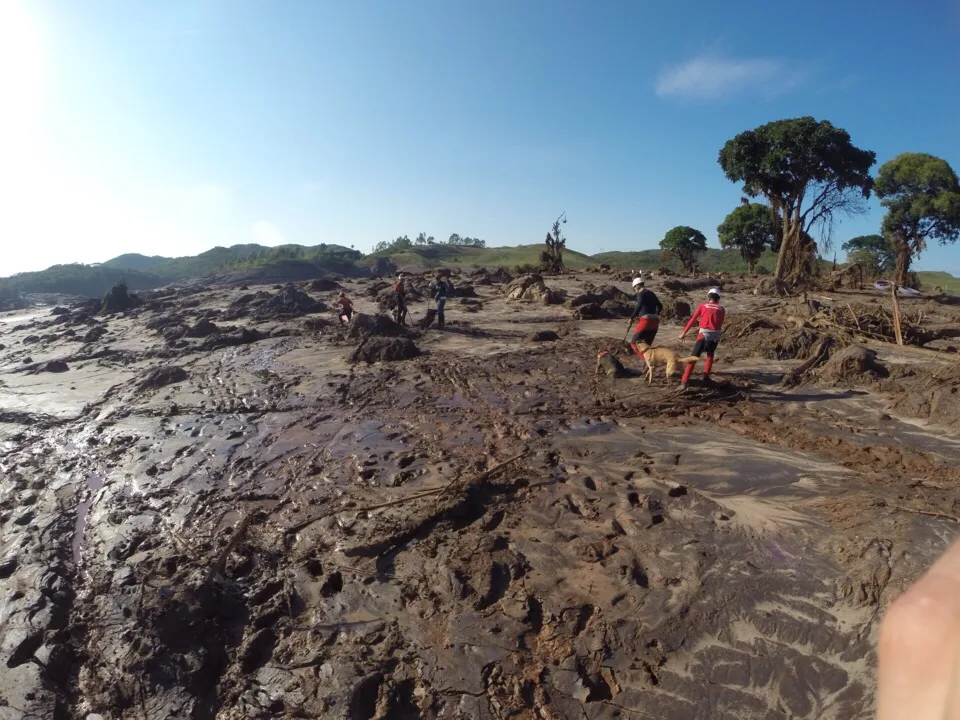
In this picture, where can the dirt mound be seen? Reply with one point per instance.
(692, 284)
(290, 302)
(675, 309)
(159, 322)
(464, 291)
(853, 365)
(379, 325)
(614, 301)
(497, 276)
(324, 284)
(203, 328)
(544, 336)
(163, 376)
(376, 348)
(60, 311)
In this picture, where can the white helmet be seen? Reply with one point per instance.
(713, 291)
(638, 282)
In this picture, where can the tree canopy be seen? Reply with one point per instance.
(685, 244)
(807, 170)
(751, 229)
(922, 196)
(872, 252)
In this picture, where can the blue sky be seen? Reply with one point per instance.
(170, 127)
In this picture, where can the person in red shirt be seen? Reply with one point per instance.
(710, 316)
(346, 308)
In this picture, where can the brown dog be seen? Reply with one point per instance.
(657, 356)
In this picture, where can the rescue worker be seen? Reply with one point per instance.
(647, 315)
(400, 295)
(346, 308)
(440, 292)
(709, 316)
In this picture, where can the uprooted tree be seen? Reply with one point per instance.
(685, 244)
(873, 253)
(551, 259)
(922, 196)
(751, 229)
(808, 171)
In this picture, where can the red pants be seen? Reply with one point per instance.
(645, 331)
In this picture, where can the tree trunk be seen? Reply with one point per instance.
(751, 266)
(903, 264)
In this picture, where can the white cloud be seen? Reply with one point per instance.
(711, 77)
(266, 233)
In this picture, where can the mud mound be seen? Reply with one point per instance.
(614, 301)
(380, 325)
(853, 365)
(160, 322)
(464, 291)
(51, 366)
(204, 328)
(290, 302)
(119, 299)
(60, 311)
(497, 276)
(387, 349)
(592, 311)
(695, 284)
(230, 338)
(324, 285)
(543, 336)
(94, 333)
(163, 376)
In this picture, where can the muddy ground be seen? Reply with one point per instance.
(208, 511)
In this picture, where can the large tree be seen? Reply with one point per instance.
(872, 252)
(807, 170)
(424, 239)
(922, 197)
(685, 244)
(751, 229)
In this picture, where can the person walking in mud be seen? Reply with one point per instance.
(440, 292)
(647, 315)
(400, 296)
(346, 308)
(709, 316)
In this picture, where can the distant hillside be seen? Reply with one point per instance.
(437, 255)
(256, 263)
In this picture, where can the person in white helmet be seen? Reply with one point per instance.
(647, 315)
(709, 316)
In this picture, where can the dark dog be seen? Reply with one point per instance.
(609, 363)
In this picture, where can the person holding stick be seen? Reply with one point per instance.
(647, 315)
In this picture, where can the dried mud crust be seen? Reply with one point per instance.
(265, 530)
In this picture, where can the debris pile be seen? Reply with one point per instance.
(119, 299)
(324, 284)
(290, 302)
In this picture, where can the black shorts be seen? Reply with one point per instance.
(703, 345)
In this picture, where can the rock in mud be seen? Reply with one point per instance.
(203, 328)
(163, 376)
(95, 333)
(376, 348)
(230, 337)
(60, 311)
(544, 336)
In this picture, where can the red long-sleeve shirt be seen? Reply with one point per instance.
(710, 315)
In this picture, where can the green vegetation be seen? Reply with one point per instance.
(750, 229)
(872, 252)
(807, 171)
(685, 244)
(922, 196)
(437, 255)
(931, 279)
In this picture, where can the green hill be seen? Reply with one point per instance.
(143, 272)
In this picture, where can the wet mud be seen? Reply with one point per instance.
(272, 516)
